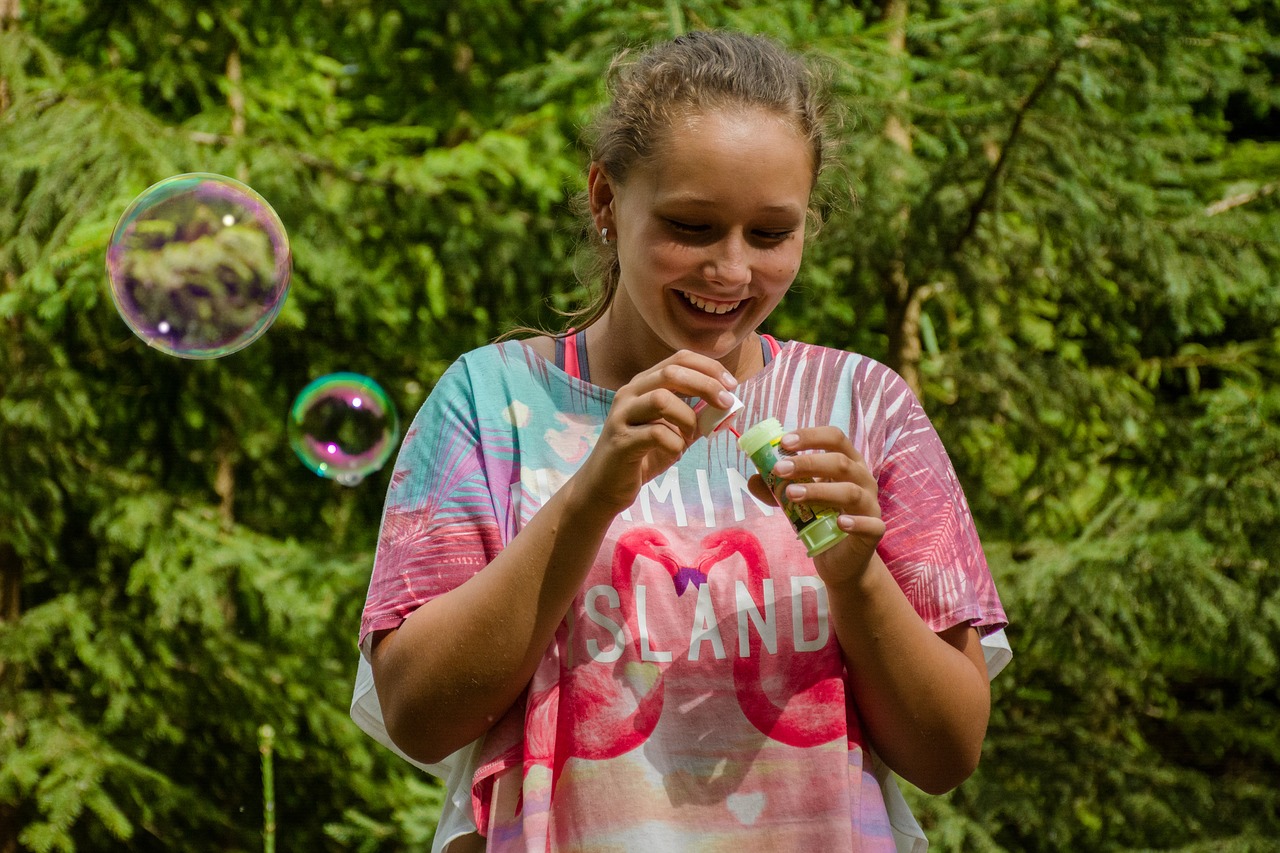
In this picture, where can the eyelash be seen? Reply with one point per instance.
(686, 227)
(771, 236)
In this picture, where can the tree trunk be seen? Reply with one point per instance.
(902, 298)
(902, 316)
(225, 478)
(10, 11)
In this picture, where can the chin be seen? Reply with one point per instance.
(717, 347)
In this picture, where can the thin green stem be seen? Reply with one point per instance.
(266, 740)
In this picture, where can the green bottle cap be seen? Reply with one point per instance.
(759, 435)
(821, 534)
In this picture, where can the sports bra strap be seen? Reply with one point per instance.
(571, 354)
(769, 347)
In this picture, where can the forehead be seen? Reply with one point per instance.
(730, 126)
(723, 154)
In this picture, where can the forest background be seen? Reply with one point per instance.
(1066, 236)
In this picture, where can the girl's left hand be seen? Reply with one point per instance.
(841, 482)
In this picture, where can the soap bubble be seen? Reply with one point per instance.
(343, 426)
(199, 265)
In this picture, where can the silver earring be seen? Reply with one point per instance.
(604, 236)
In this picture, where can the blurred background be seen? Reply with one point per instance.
(1058, 220)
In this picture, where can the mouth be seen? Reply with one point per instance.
(709, 306)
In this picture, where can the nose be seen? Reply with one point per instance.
(729, 261)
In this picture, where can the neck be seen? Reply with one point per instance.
(617, 357)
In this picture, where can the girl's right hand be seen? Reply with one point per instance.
(649, 426)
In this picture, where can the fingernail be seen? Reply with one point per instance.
(730, 381)
(725, 400)
(845, 523)
(796, 493)
(784, 467)
(790, 440)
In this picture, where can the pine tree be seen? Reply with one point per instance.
(1062, 228)
(174, 579)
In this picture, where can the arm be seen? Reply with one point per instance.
(923, 698)
(460, 660)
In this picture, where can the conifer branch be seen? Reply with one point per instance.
(1222, 205)
(992, 181)
(355, 176)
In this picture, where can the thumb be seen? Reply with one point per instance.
(755, 485)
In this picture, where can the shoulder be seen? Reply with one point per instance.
(502, 356)
(493, 376)
(543, 346)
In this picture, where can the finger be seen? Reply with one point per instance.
(824, 452)
(829, 438)
(654, 445)
(864, 526)
(760, 491)
(690, 375)
(662, 443)
(705, 365)
(825, 466)
(660, 406)
(841, 497)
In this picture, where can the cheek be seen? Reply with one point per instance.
(669, 259)
(784, 268)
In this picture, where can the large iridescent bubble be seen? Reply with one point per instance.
(199, 265)
(343, 426)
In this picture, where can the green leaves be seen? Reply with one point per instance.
(1073, 201)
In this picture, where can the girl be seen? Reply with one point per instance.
(590, 617)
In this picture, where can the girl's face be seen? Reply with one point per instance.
(709, 235)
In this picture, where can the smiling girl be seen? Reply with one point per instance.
(590, 618)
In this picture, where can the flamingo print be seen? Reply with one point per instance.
(596, 711)
(811, 689)
(600, 711)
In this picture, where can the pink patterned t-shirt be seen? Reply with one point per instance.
(695, 695)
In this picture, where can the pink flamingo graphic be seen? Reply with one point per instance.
(813, 709)
(601, 712)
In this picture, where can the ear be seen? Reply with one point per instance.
(600, 196)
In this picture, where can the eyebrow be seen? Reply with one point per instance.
(694, 201)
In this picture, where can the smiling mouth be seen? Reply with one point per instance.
(707, 306)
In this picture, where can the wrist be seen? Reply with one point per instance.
(849, 574)
(582, 505)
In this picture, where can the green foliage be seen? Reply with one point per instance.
(414, 812)
(1092, 236)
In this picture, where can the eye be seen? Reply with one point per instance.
(775, 236)
(686, 227)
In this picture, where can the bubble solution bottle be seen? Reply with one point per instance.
(816, 529)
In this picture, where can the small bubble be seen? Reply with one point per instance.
(344, 427)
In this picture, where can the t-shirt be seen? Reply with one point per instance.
(695, 695)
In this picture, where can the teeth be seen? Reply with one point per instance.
(710, 307)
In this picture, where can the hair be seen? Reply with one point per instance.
(694, 73)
